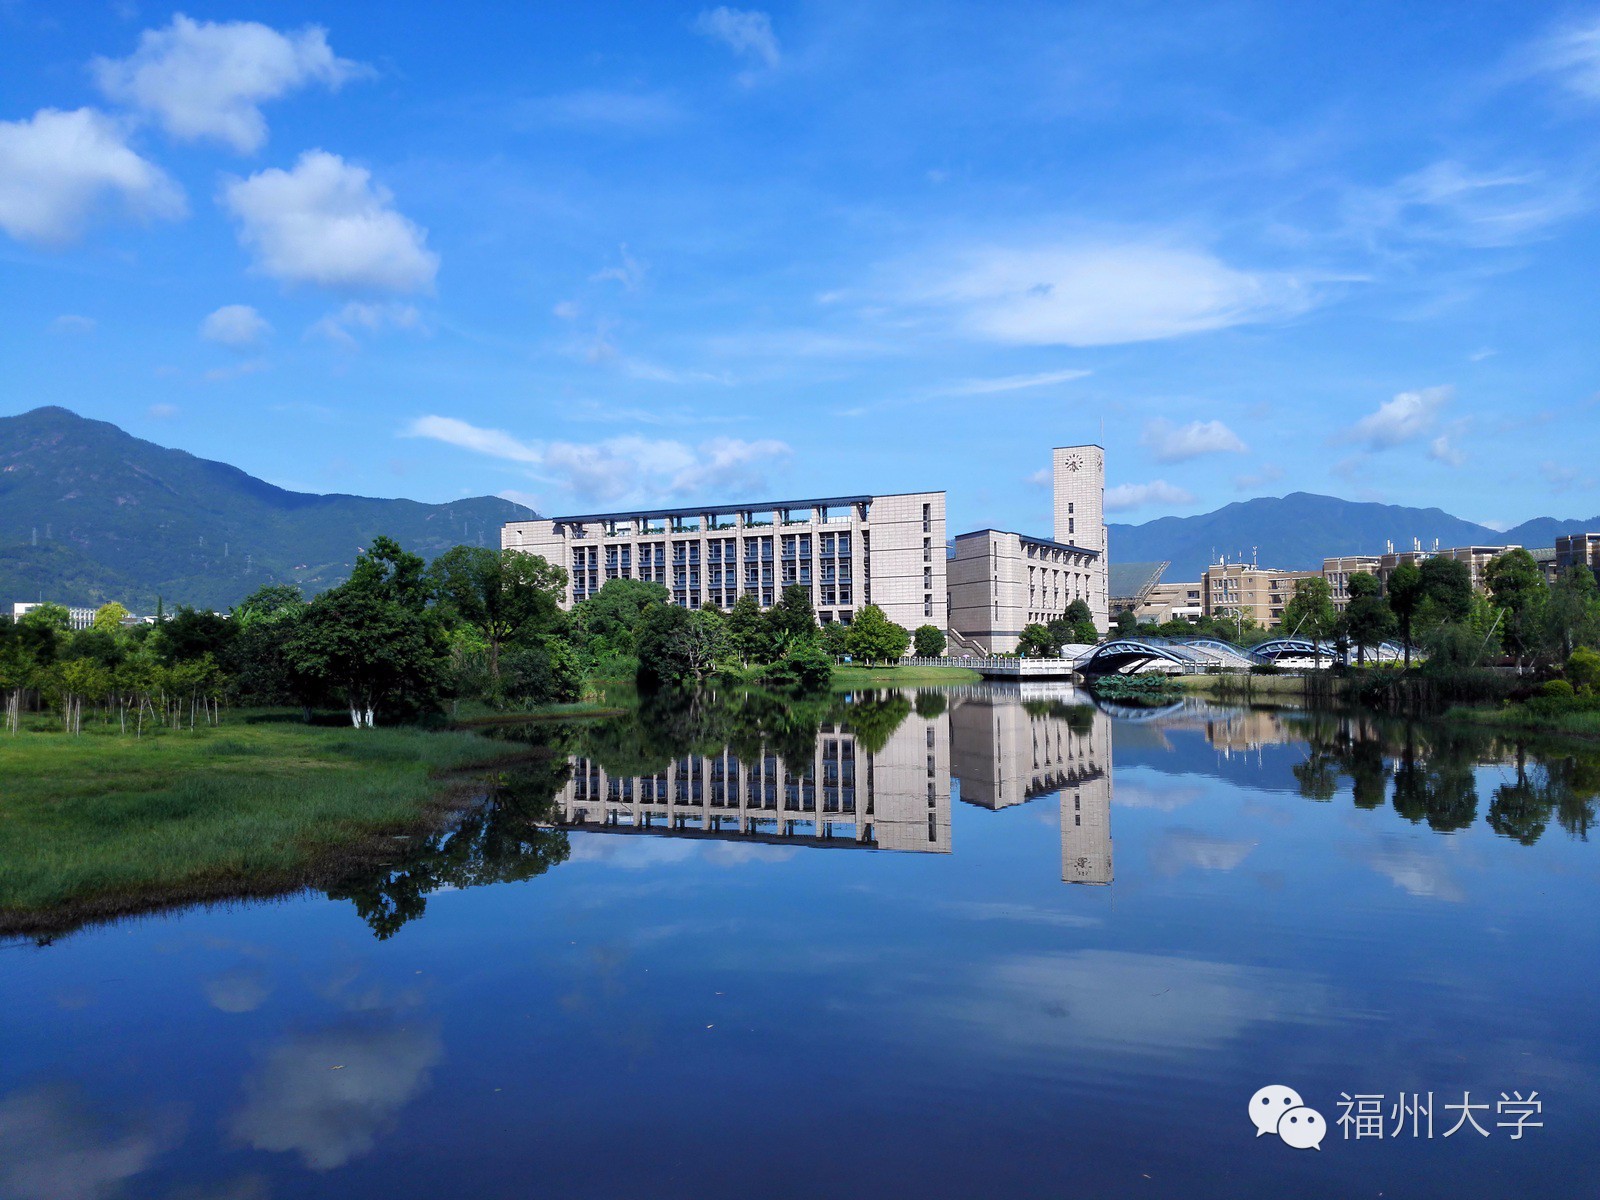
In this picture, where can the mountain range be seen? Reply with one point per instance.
(90, 513)
(1295, 532)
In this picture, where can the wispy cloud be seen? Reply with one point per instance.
(747, 32)
(1012, 383)
(237, 326)
(1127, 496)
(72, 323)
(595, 108)
(1448, 202)
(356, 319)
(1098, 293)
(1178, 443)
(623, 469)
(1570, 54)
(628, 271)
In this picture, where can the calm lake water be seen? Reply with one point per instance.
(979, 942)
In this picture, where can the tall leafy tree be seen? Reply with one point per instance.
(1405, 597)
(372, 639)
(792, 619)
(1517, 586)
(874, 637)
(505, 595)
(1447, 589)
(749, 635)
(1368, 619)
(609, 619)
(1572, 612)
(929, 641)
(1310, 612)
(680, 647)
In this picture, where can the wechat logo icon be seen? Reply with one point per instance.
(1280, 1110)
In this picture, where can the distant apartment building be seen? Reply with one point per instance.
(846, 551)
(1477, 559)
(1578, 550)
(78, 617)
(1257, 593)
(1000, 581)
(1337, 572)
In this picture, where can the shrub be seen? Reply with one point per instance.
(1557, 689)
(929, 641)
(1583, 668)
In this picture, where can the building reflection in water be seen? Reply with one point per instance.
(896, 798)
(1013, 744)
(1006, 745)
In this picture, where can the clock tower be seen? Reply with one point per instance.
(1079, 476)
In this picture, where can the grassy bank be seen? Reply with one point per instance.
(1521, 718)
(1244, 687)
(103, 823)
(902, 676)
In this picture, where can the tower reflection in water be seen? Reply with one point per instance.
(1005, 745)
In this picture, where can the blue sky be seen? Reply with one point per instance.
(600, 255)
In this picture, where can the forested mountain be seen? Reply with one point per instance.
(89, 513)
(1296, 531)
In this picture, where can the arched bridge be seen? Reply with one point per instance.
(1197, 656)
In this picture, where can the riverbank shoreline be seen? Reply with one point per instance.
(104, 825)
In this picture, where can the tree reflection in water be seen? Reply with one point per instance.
(1434, 768)
(505, 838)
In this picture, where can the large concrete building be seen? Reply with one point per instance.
(847, 551)
(1002, 581)
(1578, 550)
(1258, 594)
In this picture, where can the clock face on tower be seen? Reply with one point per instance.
(1075, 463)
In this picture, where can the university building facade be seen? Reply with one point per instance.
(846, 551)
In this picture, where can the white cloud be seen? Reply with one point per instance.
(235, 325)
(73, 323)
(567, 310)
(629, 272)
(58, 170)
(1177, 443)
(1102, 294)
(357, 317)
(1127, 496)
(748, 33)
(1174, 850)
(162, 412)
(1572, 54)
(1406, 418)
(621, 470)
(496, 443)
(326, 223)
(1012, 383)
(205, 79)
(1444, 449)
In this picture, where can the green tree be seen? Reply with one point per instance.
(1447, 588)
(873, 637)
(1036, 641)
(748, 632)
(373, 639)
(928, 640)
(108, 618)
(1126, 624)
(1517, 586)
(609, 619)
(792, 619)
(677, 646)
(1572, 611)
(1405, 597)
(505, 595)
(1368, 620)
(1310, 612)
(836, 639)
(258, 668)
(190, 633)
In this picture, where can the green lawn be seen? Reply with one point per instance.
(259, 803)
(901, 676)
